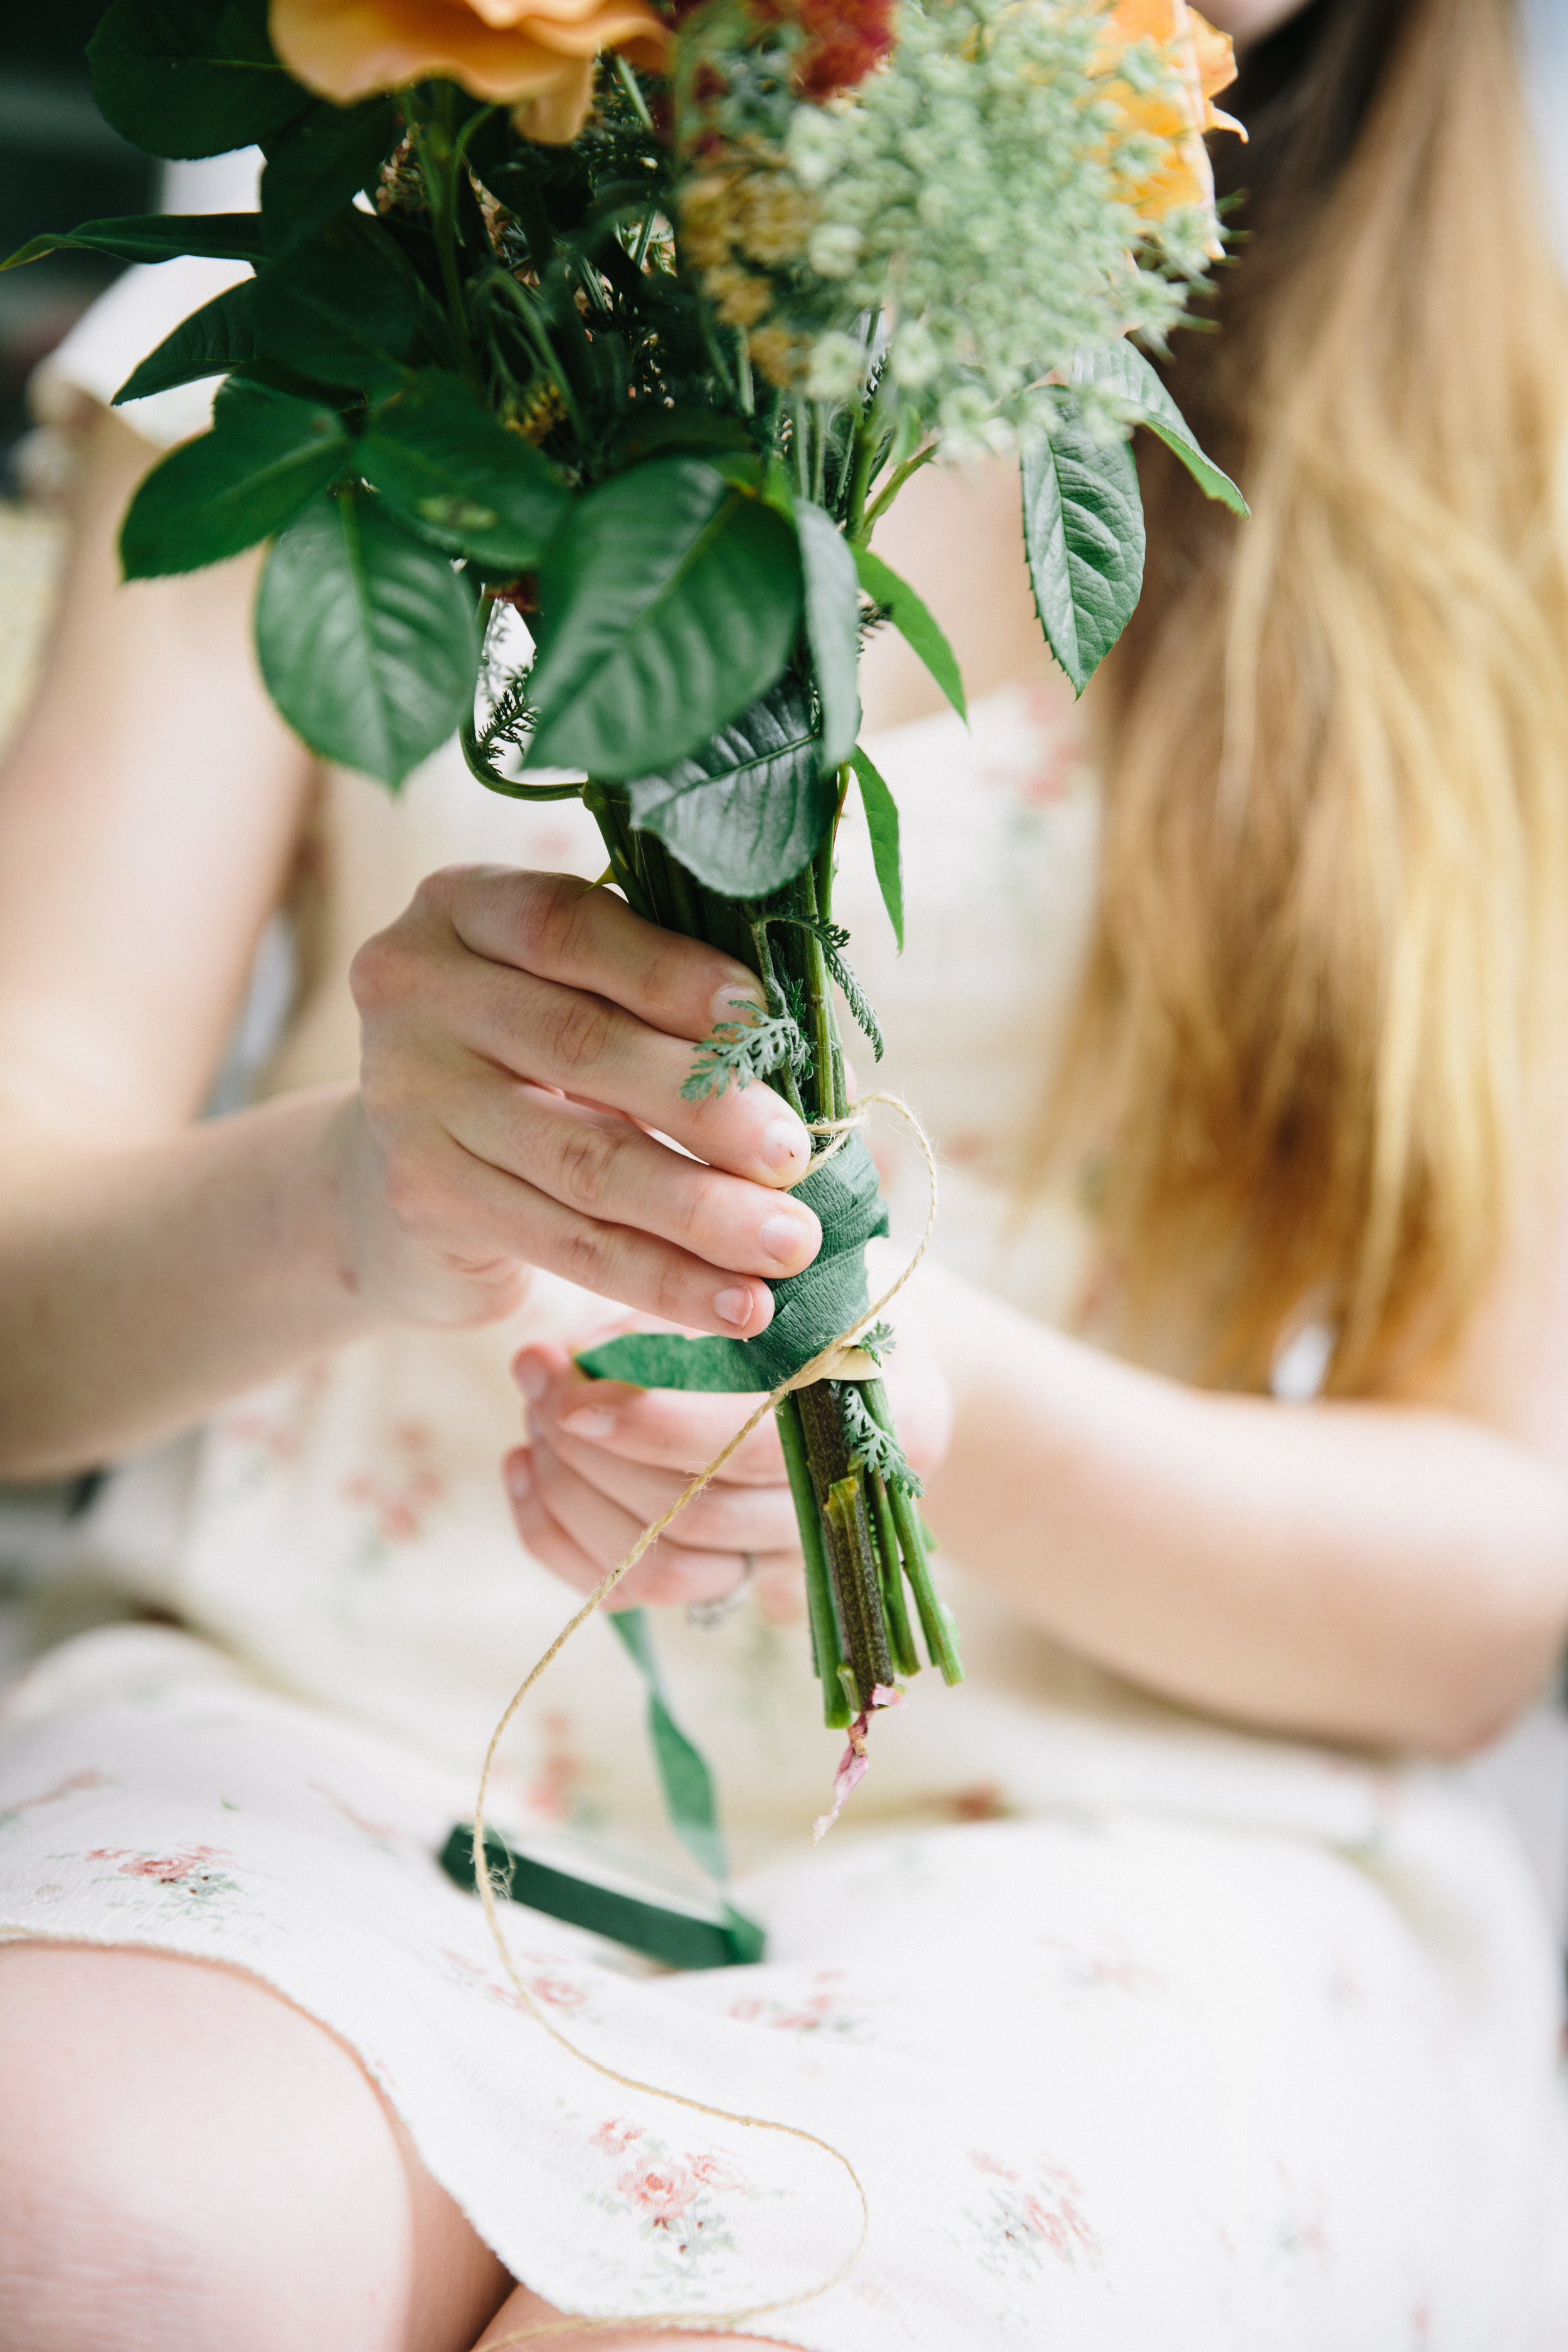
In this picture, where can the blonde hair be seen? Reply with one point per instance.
(1326, 990)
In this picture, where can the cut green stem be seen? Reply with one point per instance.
(827, 1656)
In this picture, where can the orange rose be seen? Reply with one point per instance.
(1182, 110)
(535, 56)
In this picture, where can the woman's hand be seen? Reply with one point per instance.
(605, 1459)
(524, 1034)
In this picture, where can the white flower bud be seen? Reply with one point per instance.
(837, 368)
(813, 145)
(914, 359)
(834, 249)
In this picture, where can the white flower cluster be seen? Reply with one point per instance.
(971, 196)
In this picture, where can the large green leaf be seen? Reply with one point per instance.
(746, 812)
(1121, 368)
(832, 628)
(347, 308)
(1083, 534)
(155, 236)
(671, 600)
(266, 456)
(914, 621)
(187, 78)
(887, 850)
(367, 638)
(318, 163)
(460, 478)
(219, 336)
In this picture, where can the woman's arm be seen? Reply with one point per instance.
(521, 1032)
(1394, 1572)
(1391, 1572)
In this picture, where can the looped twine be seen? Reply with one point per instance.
(821, 1367)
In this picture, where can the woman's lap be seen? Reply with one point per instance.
(1081, 2065)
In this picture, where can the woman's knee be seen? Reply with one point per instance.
(187, 2163)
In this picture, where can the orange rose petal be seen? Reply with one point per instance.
(1216, 55)
(555, 117)
(347, 49)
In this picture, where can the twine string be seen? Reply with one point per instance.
(819, 1368)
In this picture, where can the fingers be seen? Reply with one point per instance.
(469, 1213)
(605, 1167)
(725, 1517)
(662, 1429)
(596, 1052)
(582, 937)
(557, 981)
(580, 1534)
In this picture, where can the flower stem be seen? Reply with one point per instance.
(828, 1656)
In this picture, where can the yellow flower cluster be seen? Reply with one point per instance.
(736, 224)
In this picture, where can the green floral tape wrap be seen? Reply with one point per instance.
(810, 1310)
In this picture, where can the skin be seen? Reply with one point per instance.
(181, 2152)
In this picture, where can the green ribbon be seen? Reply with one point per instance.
(729, 1940)
(810, 1310)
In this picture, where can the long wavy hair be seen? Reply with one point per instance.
(1321, 1022)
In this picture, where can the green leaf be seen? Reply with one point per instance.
(347, 308)
(221, 335)
(461, 479)
(914, 623)
(155, 236)
(1121, 368)
(1083, 534)
(665, 429)
(882, 824)
(670, 600)
(747, 811)
(367, 638)
(187, 78)
(832, 628)
(264, 458)
(318, 163)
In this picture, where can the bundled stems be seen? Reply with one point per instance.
(861, 1534)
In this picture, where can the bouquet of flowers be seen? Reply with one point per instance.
(629, 319)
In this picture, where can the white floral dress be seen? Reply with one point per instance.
(1140, 2036)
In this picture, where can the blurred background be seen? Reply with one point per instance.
(59, 163)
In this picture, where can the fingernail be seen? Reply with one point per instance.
(785, 1238)
(736, 1002)
(531, 1376)
(733, 1307)
(785, 1141)
(519, 1478)
(589, 1421)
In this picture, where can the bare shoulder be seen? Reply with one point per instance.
(148, 807)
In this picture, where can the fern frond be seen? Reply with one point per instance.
(739, 1051)
(876, 1448)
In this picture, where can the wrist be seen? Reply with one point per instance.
(397, 1274)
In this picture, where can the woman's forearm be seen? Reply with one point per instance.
(1362, 1571)
(140, 1284)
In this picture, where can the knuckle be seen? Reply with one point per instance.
(671, 1289)
(583, 1256)
(551, 919)
(375, 973)
(704, 1200)
(578, 1031)
(589, 1157)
